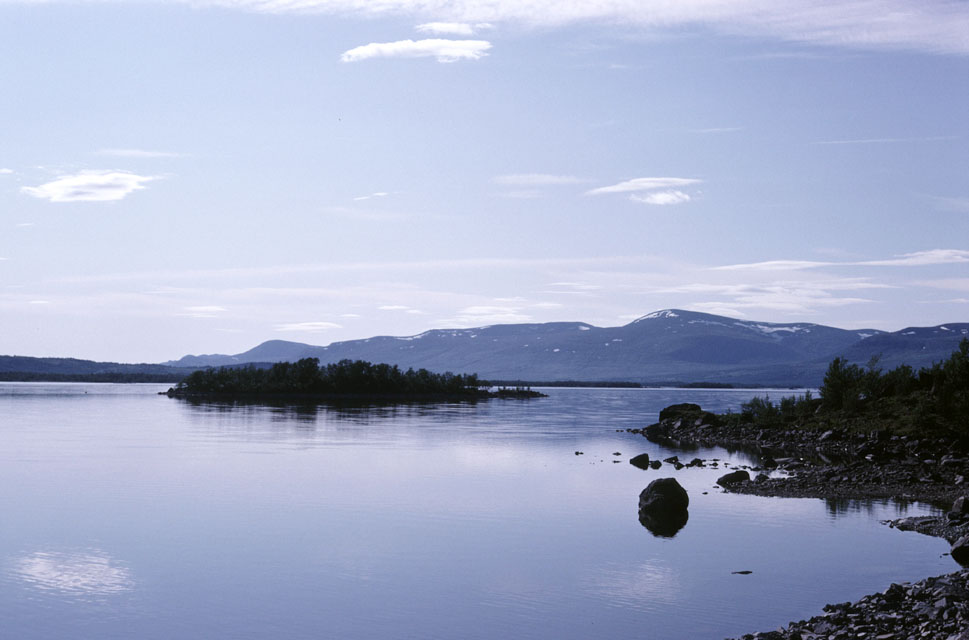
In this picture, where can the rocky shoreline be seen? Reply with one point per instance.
(841, 464)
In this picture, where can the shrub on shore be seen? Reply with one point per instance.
(931, 401)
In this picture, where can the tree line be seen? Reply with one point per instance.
(932, 400)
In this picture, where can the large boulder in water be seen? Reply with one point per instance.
(664, 495)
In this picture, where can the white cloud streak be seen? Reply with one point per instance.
(661, 197)
(643, 184)
(916, 259)
(442, 50)
(377, 194)
(90, 186)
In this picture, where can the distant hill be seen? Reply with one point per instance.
(666, 346)
(67, 369)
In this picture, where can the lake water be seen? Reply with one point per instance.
(126, 514)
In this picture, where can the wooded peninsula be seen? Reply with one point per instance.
(306, 379)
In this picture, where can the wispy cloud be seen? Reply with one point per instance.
(474, 264)
(922, 258)
(476, 316)
(402, 308)
(376, 194)
(5, 172)
(536, 180)
(442, 50)
(90, 186)
(452, 28)
(937, 26)
(137, 153)
(662, 197)
(775, 265)
(791, 297)
(307, 327)
(951, 204)
(916, 259)
(885, 140)
(643, 184)
(203, 311)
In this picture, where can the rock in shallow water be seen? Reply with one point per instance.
(735, 477)
(663, 495)
(641, 461)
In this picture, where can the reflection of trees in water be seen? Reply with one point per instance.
(306, 414)
(845, 506)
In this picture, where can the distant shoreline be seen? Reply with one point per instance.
(134, 378)
(110, 377)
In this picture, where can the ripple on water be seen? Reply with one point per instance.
(84, 573)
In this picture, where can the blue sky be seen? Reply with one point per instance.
(189, 177)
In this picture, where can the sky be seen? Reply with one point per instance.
(200, 176)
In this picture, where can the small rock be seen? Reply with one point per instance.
(641, 461)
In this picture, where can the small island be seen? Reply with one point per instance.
(306, 380)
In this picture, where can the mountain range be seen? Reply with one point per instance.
(665, 346)
(669, 346)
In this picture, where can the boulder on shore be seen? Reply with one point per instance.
(664, 495)
(960, 551)
(734, 477)
(688, 413)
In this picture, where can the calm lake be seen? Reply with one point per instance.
(131, 515)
